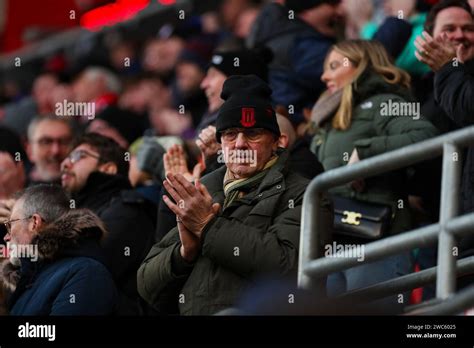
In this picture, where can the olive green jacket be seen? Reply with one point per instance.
(376, 128)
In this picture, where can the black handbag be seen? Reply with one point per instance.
(361, 219)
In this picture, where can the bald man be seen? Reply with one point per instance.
(301, 160)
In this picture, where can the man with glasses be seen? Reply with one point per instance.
(49, 142)
(55, 264)
(240, 223)
(96, 175)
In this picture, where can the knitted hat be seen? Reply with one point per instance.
(243, 62)
(303, 5)
(247, 105)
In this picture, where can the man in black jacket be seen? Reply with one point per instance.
(451, 57)
(95, 174)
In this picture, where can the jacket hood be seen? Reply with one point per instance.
(273, 23)
(370, 84)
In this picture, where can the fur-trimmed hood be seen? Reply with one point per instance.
(67, 232)
(60, 238)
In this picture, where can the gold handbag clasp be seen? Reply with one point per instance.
(351, 218)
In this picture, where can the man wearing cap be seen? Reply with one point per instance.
(240, 223)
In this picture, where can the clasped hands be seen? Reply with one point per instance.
(438, 52)
(194, 209)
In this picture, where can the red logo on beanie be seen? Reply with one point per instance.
(248, 117)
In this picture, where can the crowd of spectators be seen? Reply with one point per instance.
(165, 173)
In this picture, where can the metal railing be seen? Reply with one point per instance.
(313, 266)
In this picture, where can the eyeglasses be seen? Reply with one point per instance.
(8, 223)
(77, 155)
(253, 134)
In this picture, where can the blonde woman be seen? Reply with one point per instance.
(366, 111)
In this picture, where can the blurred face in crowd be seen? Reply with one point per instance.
(104, 128)
(80, 163)
(169, 121)
(161, 56)
(135, 175)
(324, 18)
(138, 97)
(245, 21)
(119, 53)
(87, 89)
(212, 86)
(189, 77)
(42, 91)
(12, 175)
(62, 92)
(338, 72)
(22, 228)
(48, 147)
(457, 24)
(230, 11)
(261, 142)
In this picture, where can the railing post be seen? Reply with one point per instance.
(309, 245)
(446, 275)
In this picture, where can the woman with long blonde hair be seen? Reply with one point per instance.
(367, 110)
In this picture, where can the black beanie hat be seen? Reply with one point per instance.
(302, 5)
(247, 105)
(243, 62)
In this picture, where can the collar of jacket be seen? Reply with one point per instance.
(99, 189)
(272, 183)
(370, 84)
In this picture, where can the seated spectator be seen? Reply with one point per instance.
(62, 272)
(49, 142)
(95, 174)
(241, 222)
(361, 83)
